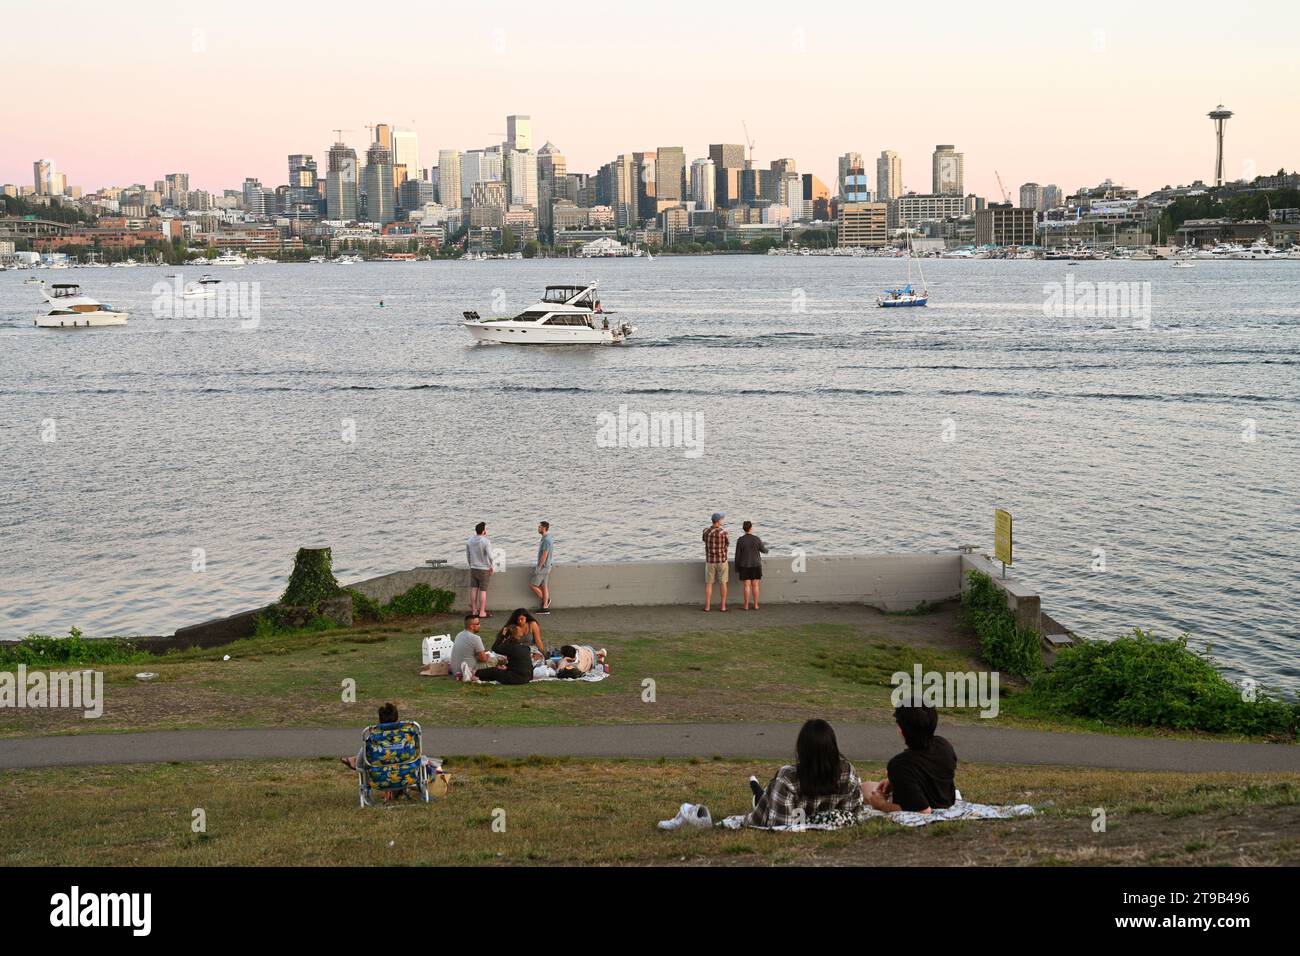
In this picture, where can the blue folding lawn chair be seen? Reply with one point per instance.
(392, 761)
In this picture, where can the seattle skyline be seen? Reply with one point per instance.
(617, 83)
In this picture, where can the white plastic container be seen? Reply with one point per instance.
(436, 649)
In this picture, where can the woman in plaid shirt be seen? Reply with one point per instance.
(820, 781)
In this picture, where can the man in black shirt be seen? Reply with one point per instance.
(921, 778)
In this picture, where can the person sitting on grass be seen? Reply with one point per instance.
(388, 715)
(922, 777)
(532, 631)
(518, 668)
(820, 780)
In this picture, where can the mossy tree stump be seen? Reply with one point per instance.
(313, 591)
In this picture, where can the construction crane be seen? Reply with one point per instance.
(1006, 196)
(750, 142)
(339, 134)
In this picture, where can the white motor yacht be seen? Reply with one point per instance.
(72, 310)
(1259, 249)
(230, 259)
(205, 288)
(567, 315)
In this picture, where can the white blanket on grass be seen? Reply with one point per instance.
(547, 673)
(961, 810)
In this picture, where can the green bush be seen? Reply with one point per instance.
(1007, 646)
(312, 580)
(419, 601)
(1141, 680)
(40, 650)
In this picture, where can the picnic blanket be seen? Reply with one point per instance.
(839, 819)
(545, 673)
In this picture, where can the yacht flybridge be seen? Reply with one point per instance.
(567, 315)
(72, 310)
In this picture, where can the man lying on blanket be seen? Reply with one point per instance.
(921, 778)
(577, 660)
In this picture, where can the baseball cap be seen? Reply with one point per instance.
(717, 516)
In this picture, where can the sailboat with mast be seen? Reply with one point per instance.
(906, 296)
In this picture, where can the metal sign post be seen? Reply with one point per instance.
(1002, 538)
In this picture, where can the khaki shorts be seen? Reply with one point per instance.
(715, 573)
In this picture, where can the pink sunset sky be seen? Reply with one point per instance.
(1053, 93)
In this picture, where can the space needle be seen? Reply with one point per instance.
(1220, 117)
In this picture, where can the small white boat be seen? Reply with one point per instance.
(72, 310)
(1184, 264)
(205, 288)
(567, 315)
(230, 259)
(33, 280)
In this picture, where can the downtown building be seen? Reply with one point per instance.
(947, 171)
(728, 161)
(377, 185)
(341, 184)
(889, 176)
(863, 224)
(1001, 224)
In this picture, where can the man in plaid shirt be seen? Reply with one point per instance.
(716, 544)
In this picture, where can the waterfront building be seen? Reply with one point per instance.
(948, 171)
(913, 208)
(1002, 224)
(863, 224)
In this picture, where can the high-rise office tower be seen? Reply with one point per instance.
(449, 178)
(177, 189)
(302, 198)
(406, 152)
(1031, 196)
(384, 136)
(670, 173)
(623, 190)
(703, 183)
(728, 161)
(552, 171)
(853, 179)
(341, 183)
(523, 178)
(377, 184)
(889, 176)
(1052, 196)
(646, 196)
(43, 173)
(947, 168)
(849, 161)
(479, 166)
(519, 133)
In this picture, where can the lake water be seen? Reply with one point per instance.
(836, 426)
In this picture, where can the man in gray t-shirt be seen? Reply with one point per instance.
(468, 648)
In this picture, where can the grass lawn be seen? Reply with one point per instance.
(785, 663)
(560, 811)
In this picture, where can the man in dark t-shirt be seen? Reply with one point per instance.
(922, 777)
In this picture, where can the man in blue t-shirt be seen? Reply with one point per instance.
(545, 560)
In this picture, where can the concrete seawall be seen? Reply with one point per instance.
(891, 582)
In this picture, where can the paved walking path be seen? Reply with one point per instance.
(863, 742)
